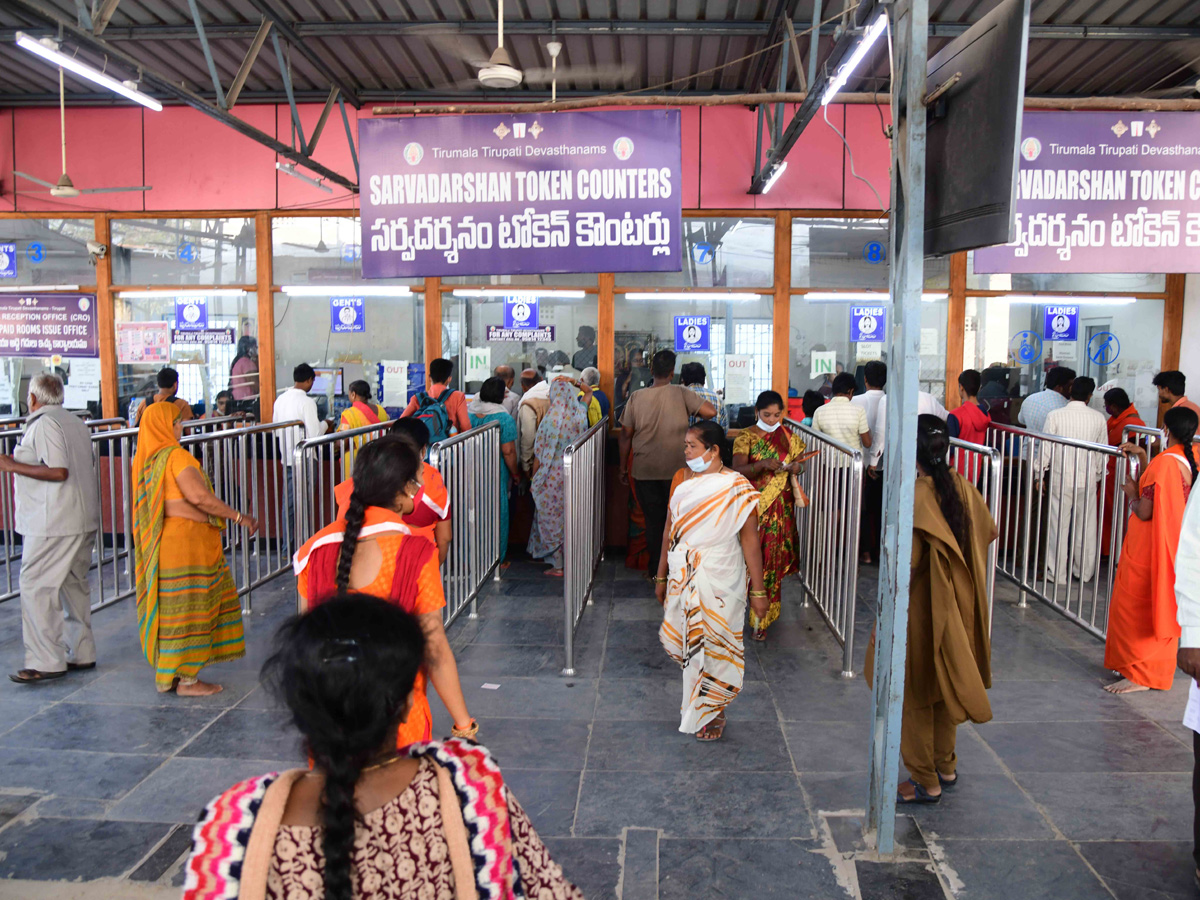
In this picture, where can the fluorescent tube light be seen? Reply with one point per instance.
(694, 295)
(865, 297)
(339, 290)
(38, 288)
(520, 292)
(48, 50)
(184, 292)
(290, 169)
(874, 30)
(1037, 300)
(780, 168)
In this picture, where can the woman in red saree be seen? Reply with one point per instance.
(1143, 634)
(369, 550)
(1121, 412)
(768, 455)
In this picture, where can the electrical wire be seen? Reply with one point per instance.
(850, 153)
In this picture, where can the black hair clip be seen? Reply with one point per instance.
(340, 650)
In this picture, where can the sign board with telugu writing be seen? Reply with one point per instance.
(530, 194)
(191, 313)
(542, 335)
(209, 337)
(48, 325)
(737, 378)
(1104, 192)
(346, 314)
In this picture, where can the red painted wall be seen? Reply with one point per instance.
(193, 162)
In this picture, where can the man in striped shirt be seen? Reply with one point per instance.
(842, 420)
(693, 377)
(1036, 407)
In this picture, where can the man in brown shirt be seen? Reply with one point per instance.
(168, 384)
(653, 426)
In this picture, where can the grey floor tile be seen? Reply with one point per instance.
(1058, 701)
(591, 864)
(493, 660)
(494, 629)
(12, 805)
(548, 796)
(1038, 663)
(699, 804)
(15, 711)
(1031, 870)
(660, 698)
(72, 808)
(1072, 747)
(70, 849)
(535, 743)
(260, 698)
(48, 691)
(178, 843)
(248, 734)
(1140, 870)
(747, 746)
(835, 791)
(547, 697)
(75, 773)
(832, 699)
(634, 651)
(135, 687)
(829, 746)
(847, 833)
(762, 869)
(982, 807)
(180, 790)
(1115, 807)
(898, 880)
(1162, 705)
(110, 728)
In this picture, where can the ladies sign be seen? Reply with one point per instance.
(509, 195)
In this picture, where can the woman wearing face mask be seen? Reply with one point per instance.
(710, 546)
(370, 550)
(768, 455)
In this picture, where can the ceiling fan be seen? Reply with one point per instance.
(65, 187)
(497, 72)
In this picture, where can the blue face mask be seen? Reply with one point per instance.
(699, 464)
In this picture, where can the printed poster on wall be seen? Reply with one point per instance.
(48, 325)
(191, 313)
(530, 194)
(83, 383)
(1104, 192)
(692, 333)
(147, 343)
(346, 315)
(737, 378)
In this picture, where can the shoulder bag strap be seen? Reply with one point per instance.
(456, 838)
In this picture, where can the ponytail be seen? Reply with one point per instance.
(1181, 424)
(933, 445)
(356, 513)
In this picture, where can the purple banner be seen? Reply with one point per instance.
(511, 195)
(48, 325)
(1104, 192)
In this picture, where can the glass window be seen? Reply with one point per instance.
(50, 251)
(183, 251)
(850, 253)
(569, 279)
(320, 250)
(1118, 343)
(205, 366)
(742, 326)
(823, 325)
(718, 253)
(566, 334)
(1065, 281)
(393, 330)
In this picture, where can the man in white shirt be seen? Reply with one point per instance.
(1075, 473)
(296, 404)
(1187, 602)
(927, 405)
(511, 398)
(875, 376)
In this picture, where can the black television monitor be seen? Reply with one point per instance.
(973, 132)
(327, 376)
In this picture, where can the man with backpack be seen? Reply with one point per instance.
(439, 407)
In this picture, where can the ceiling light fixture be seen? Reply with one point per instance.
(865, 297)
(38, 288)
(780, 168)
(870, 36)
(695, 295)
(290, 169)
(183, 292)
(366, 290)
(48, 50)
(520, 292)
(1038, 300)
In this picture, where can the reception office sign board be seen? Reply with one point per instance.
(510, 195)
(1104, 192)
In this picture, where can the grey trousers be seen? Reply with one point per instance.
(54, 592)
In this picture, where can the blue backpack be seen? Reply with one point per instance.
(432, 411)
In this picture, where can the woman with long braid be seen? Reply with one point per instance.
(1143, 635)
(949, 643)
(371, 551)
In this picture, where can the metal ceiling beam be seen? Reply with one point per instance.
(766, 64)
(633, 28)
(102, 14)
(164, 86)
(243, 72)
(208, 57)
(284, 28)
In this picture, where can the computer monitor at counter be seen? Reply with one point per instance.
(327, 377)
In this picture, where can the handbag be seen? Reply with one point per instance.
(798, 492)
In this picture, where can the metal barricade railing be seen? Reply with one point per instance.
(1052, 508)
(248, 472)
(474, 473)
(583, 528)
(982, 466)
(112, 559)
(221, 423)
(319, 465)
(828, 533)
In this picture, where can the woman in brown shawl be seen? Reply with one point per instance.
(948, 664)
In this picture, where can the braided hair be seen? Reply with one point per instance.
(345, 670)
(382, 470)
(1181, 424)
(933, 444)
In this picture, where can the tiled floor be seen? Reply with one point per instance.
(1069, 793)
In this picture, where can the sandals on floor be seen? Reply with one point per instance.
(922, 795)
(947, 785)
(713, 730)
(33, 676)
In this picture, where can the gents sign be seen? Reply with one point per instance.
(1104, 192)
(500, 195)
(346, 314)
(48, 325)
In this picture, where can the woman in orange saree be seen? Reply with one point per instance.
(1143, 635)
(1121, 412)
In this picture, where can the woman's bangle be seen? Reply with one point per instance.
(661, 579)
(468, 733)
(758, 594)
(238, 520)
